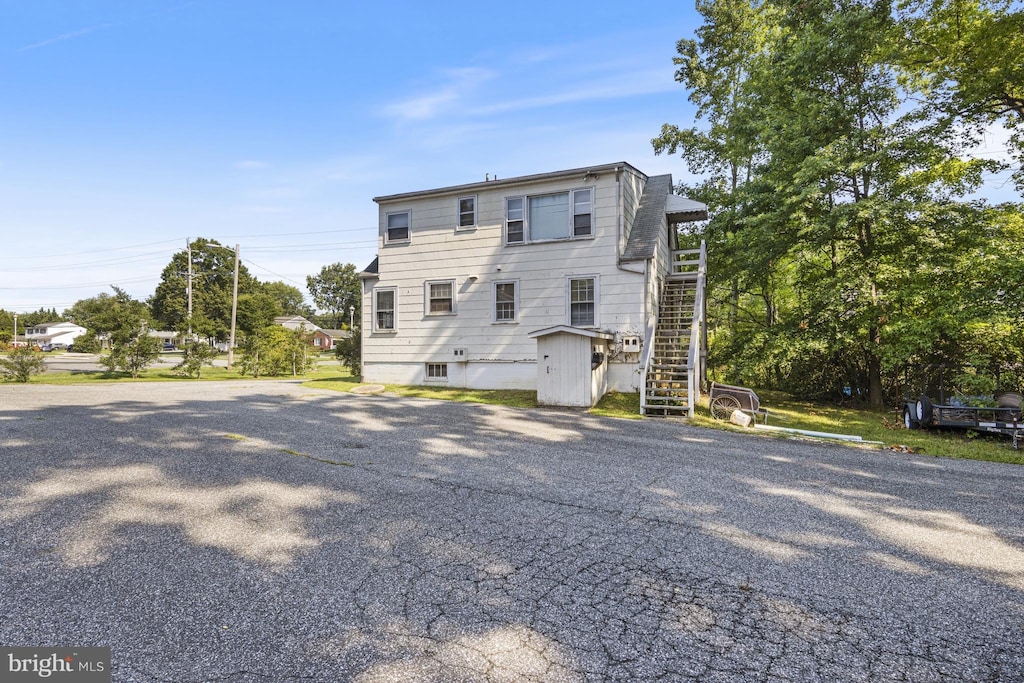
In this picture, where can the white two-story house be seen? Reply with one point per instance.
(472, 280)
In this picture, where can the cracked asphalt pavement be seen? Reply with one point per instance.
(263, 531)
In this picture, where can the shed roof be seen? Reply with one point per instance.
(569, 329)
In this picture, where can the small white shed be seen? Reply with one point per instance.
(572, 365)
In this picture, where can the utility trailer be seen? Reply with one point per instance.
(1004, 418)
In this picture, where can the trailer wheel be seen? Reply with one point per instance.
(924, 410)
(909, 419)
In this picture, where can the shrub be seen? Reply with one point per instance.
(21, 363)
(197, 354)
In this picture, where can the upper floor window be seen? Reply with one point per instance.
(398, 228)
(514, 225)
(583, 302)
(440, 297)
(384, 308)
(467, 213)
(562, 215)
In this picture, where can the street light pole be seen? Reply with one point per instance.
(351, 317)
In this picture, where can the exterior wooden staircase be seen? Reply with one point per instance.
(673, 371)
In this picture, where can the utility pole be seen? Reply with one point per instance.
(188, 248)
(234, 313)
(14, 342)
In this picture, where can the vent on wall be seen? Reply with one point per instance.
(460, 355)
(631, 344)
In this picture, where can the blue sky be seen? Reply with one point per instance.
(128, 126)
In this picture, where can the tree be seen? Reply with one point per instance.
(965, 57)
(197, 354)
(127, 323)
(839, 235)
(291, 299)
(85, 312)
(349, 351)
(276, 350)
(257, 311)
(21, 363)
(335, 289)
(213, 268)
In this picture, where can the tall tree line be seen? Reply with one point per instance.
(846, 249)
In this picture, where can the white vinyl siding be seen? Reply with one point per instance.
(397, 228)
(439, 297)
(385, 307)
(467, 213)
(499, 354)
(506, 302)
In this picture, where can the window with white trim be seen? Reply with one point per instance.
(385, 305)
(439, 297)
(467, 213)
(437, 372)
(397, 228)
(506, 301)
(557, 216)
(515, 232)
(583, 302)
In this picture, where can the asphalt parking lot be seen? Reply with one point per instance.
(262, 531)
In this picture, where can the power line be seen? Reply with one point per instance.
(301, 284)
(91, 251)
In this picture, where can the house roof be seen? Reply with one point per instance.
(371, 270)
(61, 323)
(657, 203)
(569, 329)
(517, 180)
(337, 334)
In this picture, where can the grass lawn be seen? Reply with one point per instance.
(883, 426)
(165, 374)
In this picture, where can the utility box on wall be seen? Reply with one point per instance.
(572, 366)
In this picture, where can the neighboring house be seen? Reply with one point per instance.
(320, 338)
(47, 334)
(333, 337)
(294, 322)
(472, 281)
(166, 337)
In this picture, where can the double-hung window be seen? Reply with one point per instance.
(467, 213)
(385, 306)
(506, 302)
(398, 228)
(583, 293)
(515, 232)
(558, 216)
(440, 297)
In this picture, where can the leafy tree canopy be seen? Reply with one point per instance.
(335, 289)
(213, 267)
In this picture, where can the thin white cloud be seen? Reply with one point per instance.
(622, 86)
(65, 36)
(459, 86)
(251, 165)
